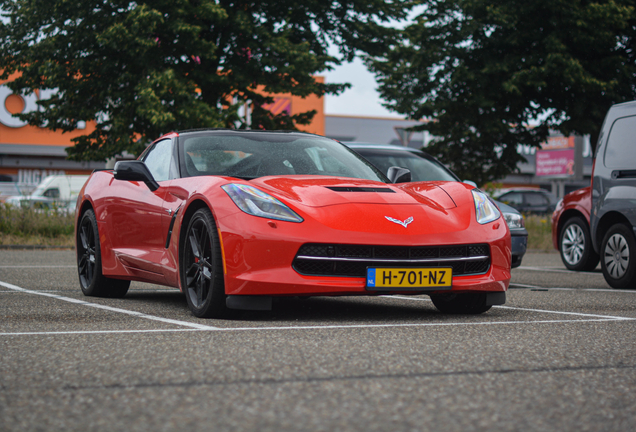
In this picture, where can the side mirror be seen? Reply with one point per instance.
(398, 175)
(135, 171)
(470, 182)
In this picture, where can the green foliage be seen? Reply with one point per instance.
(491, 187)
(140, 69)
(28, 222)
(482, 70)
(539, 232)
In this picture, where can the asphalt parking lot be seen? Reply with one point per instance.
(559, 356)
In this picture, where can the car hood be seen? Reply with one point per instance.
(370, 206)
(320, 191)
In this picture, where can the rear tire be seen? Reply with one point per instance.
(464, 303)
(89, 262)
(575, 246)
(618, 260)
(201, 268)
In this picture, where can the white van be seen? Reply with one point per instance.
(58, 191)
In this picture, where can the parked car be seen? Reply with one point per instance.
(235, 218)
(59, 191)
(571, 231)
(527, 200)
(613, 215)
(8, 189)
(425, 167)
(598, 222)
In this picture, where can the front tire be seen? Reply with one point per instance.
(618, 260)
(201, 268)
(465, 303)
(89, 262)
(575, 246)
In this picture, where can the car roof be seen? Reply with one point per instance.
(236, 131)
(522, 189)
(246, 131)
(365, 145)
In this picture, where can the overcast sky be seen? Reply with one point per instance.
(361, 99)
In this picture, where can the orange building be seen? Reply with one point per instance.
(297, 105)
(30, 153)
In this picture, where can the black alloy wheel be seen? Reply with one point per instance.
(618, 257)
(201, 267)
(89, 262)
(463, 303)
(575, 246)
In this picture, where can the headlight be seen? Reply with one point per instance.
(257, 203)
(514, 220)
(486, 211)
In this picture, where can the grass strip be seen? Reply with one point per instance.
(36, 226)
(55, 227)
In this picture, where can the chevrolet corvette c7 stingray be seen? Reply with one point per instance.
(236, 218)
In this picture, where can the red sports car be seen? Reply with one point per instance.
(235, 218)
(571, 231)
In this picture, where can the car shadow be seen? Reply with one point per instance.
(368, 310)
(339, 309)
(323, 310)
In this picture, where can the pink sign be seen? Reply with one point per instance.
(555, 163)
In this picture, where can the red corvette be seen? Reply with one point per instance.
(235, 218)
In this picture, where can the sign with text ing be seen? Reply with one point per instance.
(555, 163)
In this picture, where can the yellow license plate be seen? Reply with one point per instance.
(409, 278)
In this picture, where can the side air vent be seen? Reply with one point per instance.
(359, 189)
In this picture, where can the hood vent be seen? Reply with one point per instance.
(360, 189)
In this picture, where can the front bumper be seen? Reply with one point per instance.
(519, 245)
(258, 257)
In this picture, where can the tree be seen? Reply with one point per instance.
(491, 74)
(143, 68)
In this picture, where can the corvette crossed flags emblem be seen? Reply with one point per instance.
(399, 222)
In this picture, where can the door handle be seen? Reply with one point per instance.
(617, 174)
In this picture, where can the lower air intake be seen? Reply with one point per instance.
(316, 259)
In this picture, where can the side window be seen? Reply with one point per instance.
(619, 152)
(158, 160)
(52, 193)
(536, 199)
(512, 199)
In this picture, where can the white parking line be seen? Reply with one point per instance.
(573, 289)
(318, 327)
(365, 326)
(53, 333)
(18, 292)
(109, 308)
(608, 317)
(200, 327)
(556, 270)
(596, 289)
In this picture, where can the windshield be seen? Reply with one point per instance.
(422, 168)
(249, 155)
